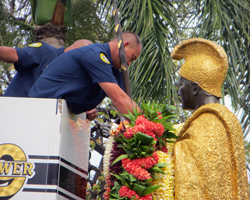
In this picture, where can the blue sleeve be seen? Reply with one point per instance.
(29, 57)
(99, 70)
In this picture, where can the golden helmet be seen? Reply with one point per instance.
(206, 63)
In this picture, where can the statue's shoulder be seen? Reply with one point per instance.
(228, 118)
(222, 112)
(217, 109)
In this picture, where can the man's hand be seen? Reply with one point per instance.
(91, 114)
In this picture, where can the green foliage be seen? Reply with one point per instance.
(142, 188)
(114, 112)
(247, 150)
(92, 144)
(95, 191)
(86, 24)
(158, 113)
(155, 112)
(15, 24)
(139, 146)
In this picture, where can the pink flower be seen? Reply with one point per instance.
(135, 169)
(140, 120)
(143, 125)
(150, 133)
(139, 128)
(147, 197)
(129, 133)
(149, 126)
(156, 157)
(158, 129)
(127, 192)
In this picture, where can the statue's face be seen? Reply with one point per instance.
(186, 92)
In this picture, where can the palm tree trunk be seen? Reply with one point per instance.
(52, 32)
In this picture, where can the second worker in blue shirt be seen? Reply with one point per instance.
(85, 76)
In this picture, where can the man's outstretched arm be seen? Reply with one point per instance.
(8, 54)
(119, 98)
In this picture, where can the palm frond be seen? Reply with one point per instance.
(154, 21)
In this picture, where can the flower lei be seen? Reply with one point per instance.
(137, 154)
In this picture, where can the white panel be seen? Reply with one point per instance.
(41, 128)
(26, 123)
(75, 138)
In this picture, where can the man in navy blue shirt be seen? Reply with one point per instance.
(84, 76)
(30, 62)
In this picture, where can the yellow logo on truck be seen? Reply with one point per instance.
(14, 170)
(38, 44)
(104, 58)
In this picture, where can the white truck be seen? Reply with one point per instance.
(44, 150)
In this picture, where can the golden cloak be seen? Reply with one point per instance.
(210, 156)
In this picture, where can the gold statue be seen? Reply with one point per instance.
(209, 154)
